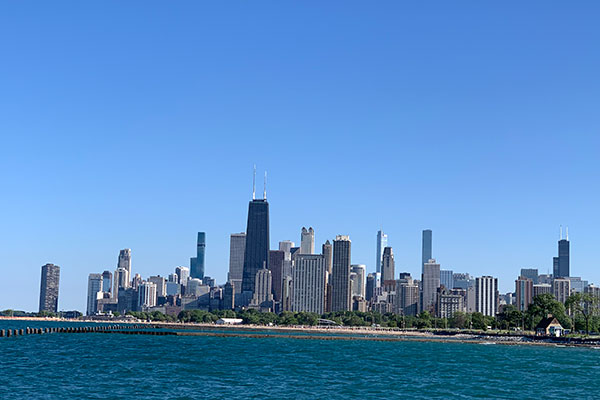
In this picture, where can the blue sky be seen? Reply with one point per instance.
(137, 125)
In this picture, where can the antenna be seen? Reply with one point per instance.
(265, 187)
(567, 233)
(560, 233)
(254, 183)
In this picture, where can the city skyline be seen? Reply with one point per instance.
(469, 123)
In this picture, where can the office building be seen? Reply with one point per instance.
(263, 291)
(541, 288)
(120, 282)
(161, 285)
(340, 277)
(107, 282)
(183, 274)
(49, 288)
(308, 283)
(146, 295)
(486, 295)
(430, 283)
(523, 292)
(407, 295)
(357, 286)
(561, 265)
(124, 261)
(307, 241)
(94, 288)
(561, 288)
(388, 266)
(448, 302)
(276, 261)
(382, 243)
(426, 252)
(370, 286)
(577, 284)
(237, 247)
(447, 279)
(530, 273)
(229, 296)
(462, 281)
(256, 252)
(197, 263)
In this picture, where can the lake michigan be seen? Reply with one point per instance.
(115, 366)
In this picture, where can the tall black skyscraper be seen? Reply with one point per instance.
(426, 254)
(256, 254)
(49, 288)
(561, 263)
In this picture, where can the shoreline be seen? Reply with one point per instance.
(337, 333)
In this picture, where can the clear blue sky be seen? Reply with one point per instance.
(137, 124)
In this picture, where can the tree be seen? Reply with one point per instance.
(583, 304)
(510, 317)
(544, 304)
(478, 321)
(424, 320)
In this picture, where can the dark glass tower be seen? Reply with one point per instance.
(426, 254)
(561, 263)
(49, 288)
(256, 254)
(197, 263)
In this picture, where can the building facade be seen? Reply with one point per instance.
(256, 252)
(49, 285)
(486, 295)
(426, 251)
(340, 278)
(430, 283)
(237, 247)
(388, 265)
(307, 241)
(197, 263)
(308, 283)
(523, 292)
(382, 243)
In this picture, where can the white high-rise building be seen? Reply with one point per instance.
(307, 241)
(430, 283)
(183, 274)
(286, 247)
(237, 247)
(486, 295)
(94, 287)
(263, 292)
(161, 285)
(308, 283)
(382, 242)
(147, 295)
(360, 276)
(121, 281)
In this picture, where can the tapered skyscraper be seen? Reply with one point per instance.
(256, 253)
(426, 253)
(561, 263)
(382, 242)
(197, 263)
(388, 265)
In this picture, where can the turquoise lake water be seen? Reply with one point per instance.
(115, 366)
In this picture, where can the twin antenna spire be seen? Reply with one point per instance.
(254, 185)
(561, 233)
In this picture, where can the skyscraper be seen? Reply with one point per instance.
(430, 283)
(388, 265)
(183, 273)
(94, 287)
(237, 247)
(121, 281)
(107, 281)
(256, 252)
(49, 288)
(276, 260)
(561, 288)
(523, 292)
(370, 286)
(197, 263)
(531, 273)
(263, 293)
(327, 253)
(146, 295)
(161, 285)
(358, 285)
(486, 295)
(307, 241)
(125, 261)
(561, 263)
(382, 242)
(308, 283)
(426, 253)
(340, 277)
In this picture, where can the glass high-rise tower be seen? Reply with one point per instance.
(382, 242)
(256, 253)
(426, 253)
(197, 263)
